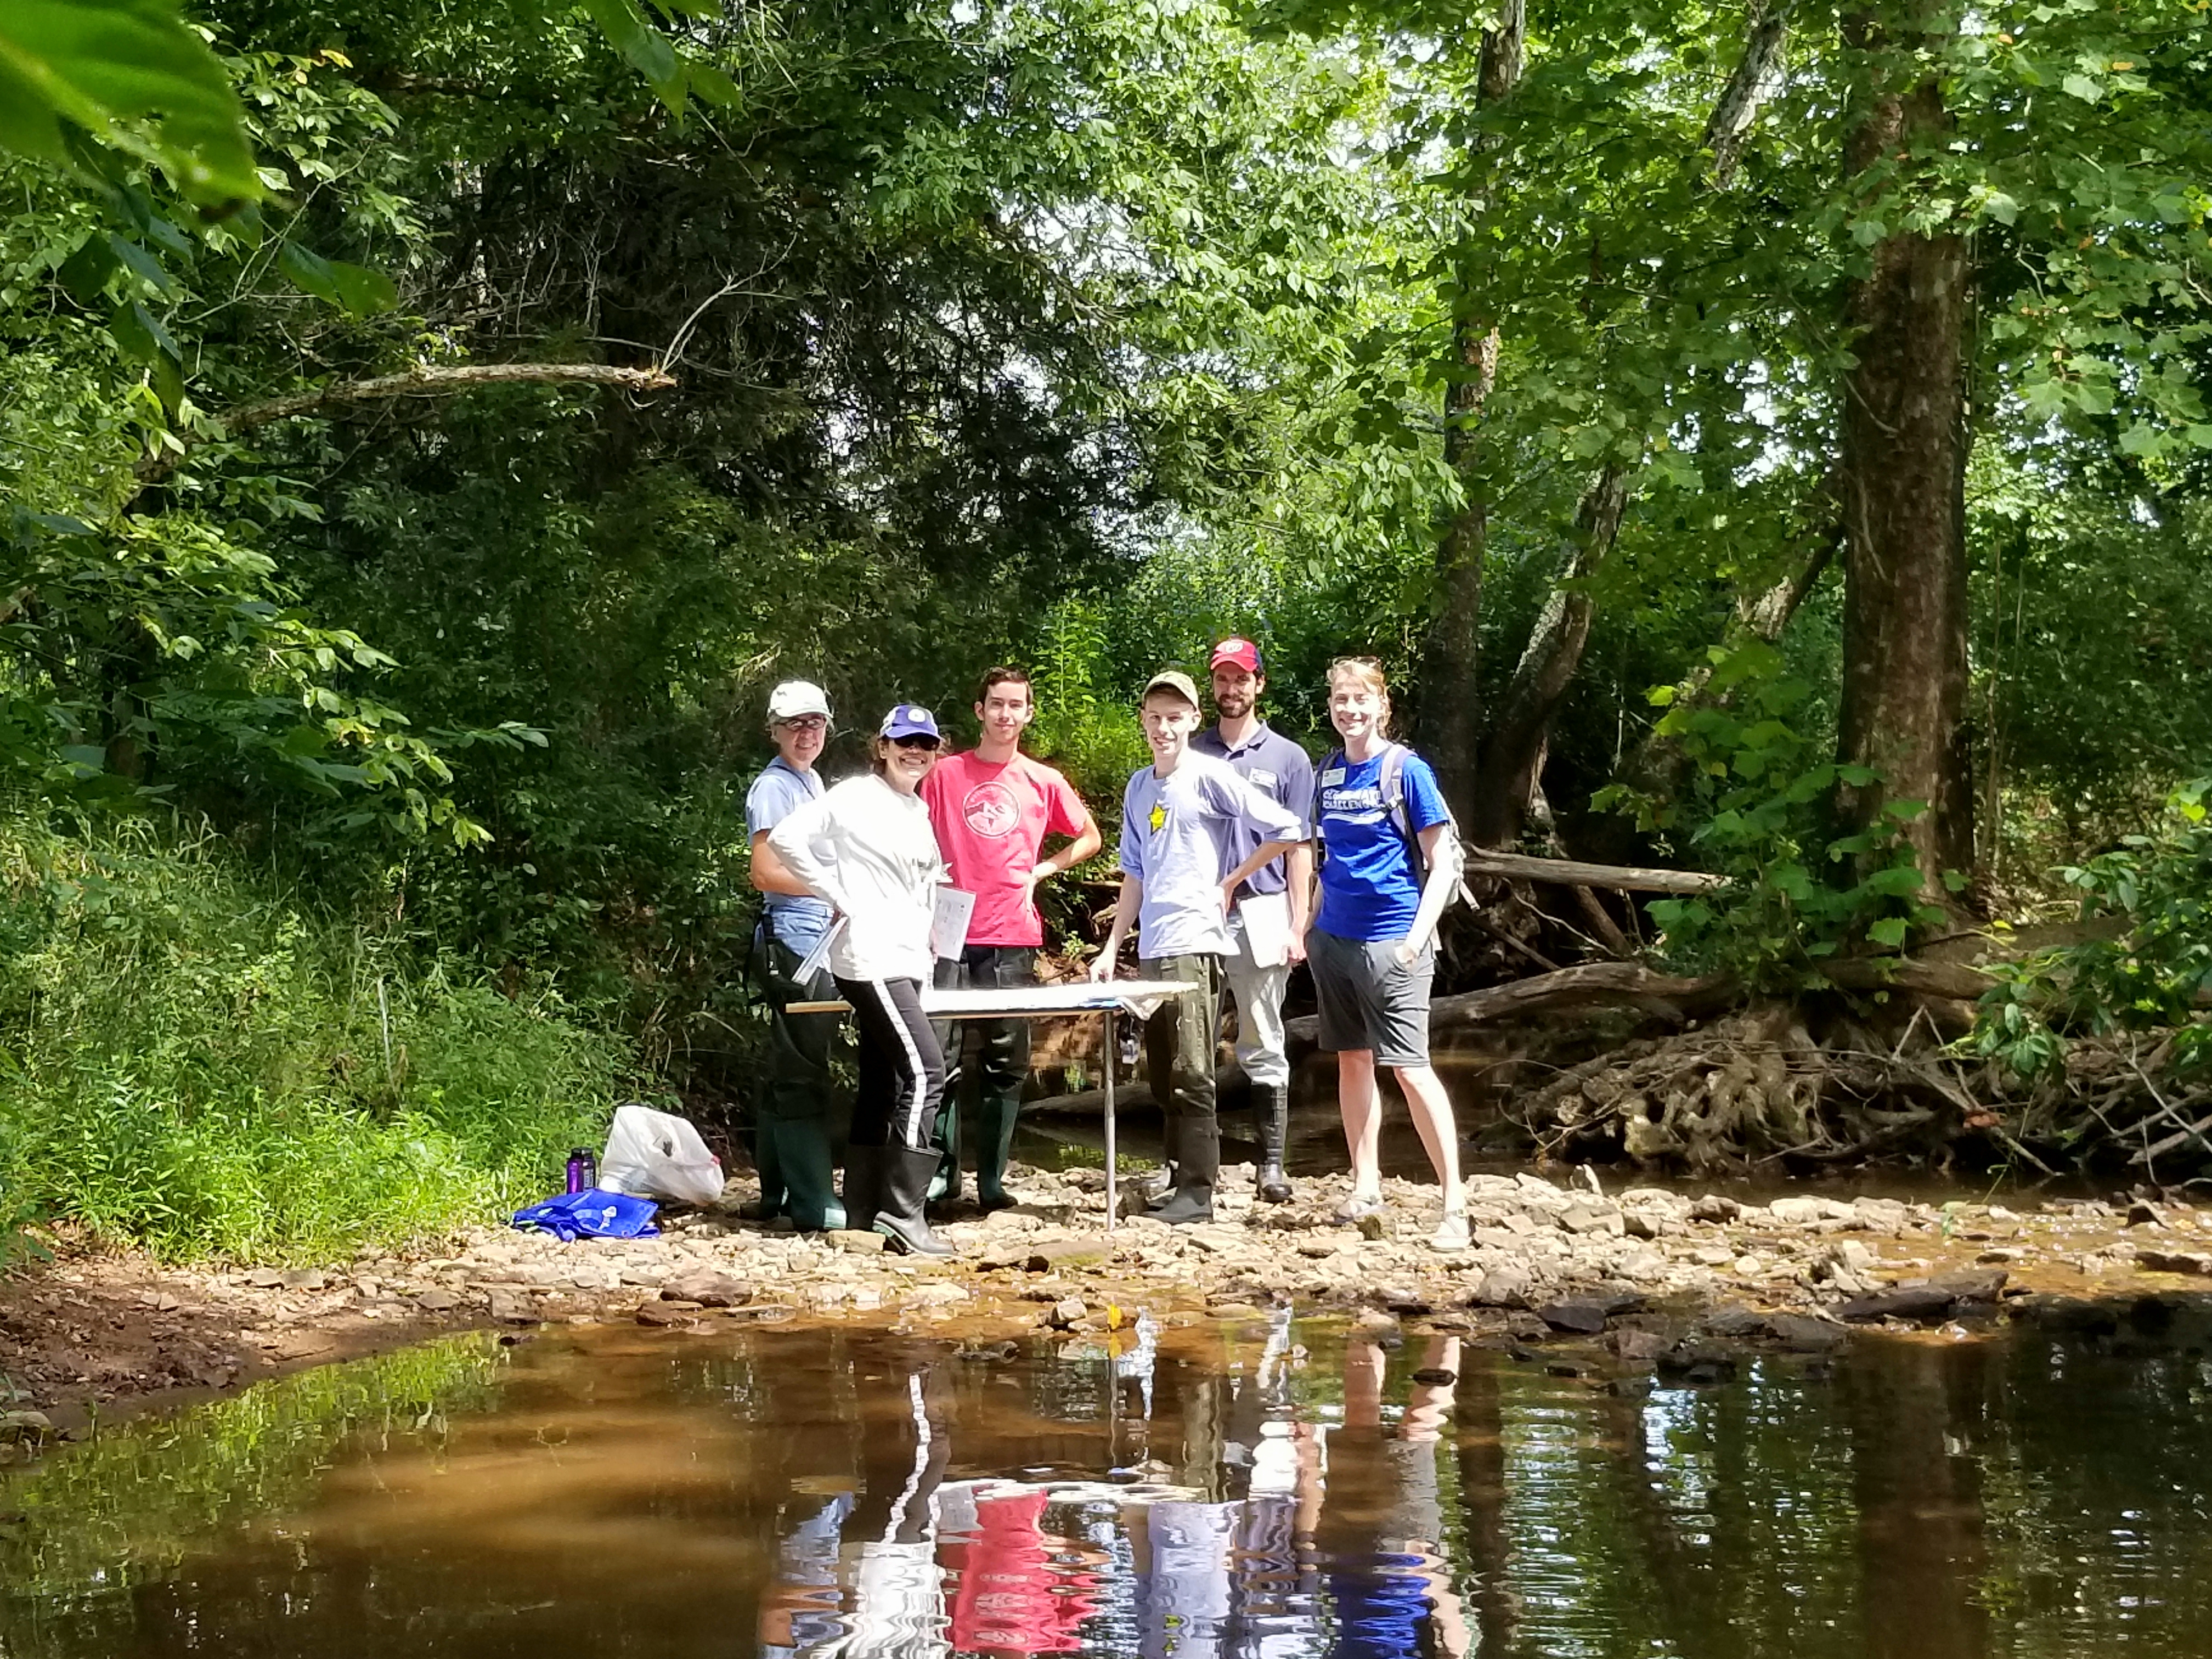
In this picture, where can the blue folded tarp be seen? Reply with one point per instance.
(590, 1213)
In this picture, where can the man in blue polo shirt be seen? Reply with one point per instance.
(1279, 769)
(791, 1141)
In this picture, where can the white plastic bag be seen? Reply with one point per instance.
(654, 1155)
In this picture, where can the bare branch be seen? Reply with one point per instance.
(423, 381)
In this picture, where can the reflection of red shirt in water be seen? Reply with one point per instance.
(1012, 1597)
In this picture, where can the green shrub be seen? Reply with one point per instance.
(2149, 968)
(199, 1063)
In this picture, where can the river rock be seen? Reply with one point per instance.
(1733, 1321)
(1066, 1311)
(870, 1243)
(1591, 1218)
(509, 1309)
(1885, 1214)
(2174, 1261)
(1921, 1302)
(708, 1289)
(1803, 1335)
(1584, 1317)
(666, 1314)
(436, 1300)
(1639, 1347)
(1985, 1287)
(1502, 1287)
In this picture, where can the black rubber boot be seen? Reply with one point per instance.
(864, 1176)
(906, 1173)
(994, 1145)
(1195, 1144)
(1271, 1112)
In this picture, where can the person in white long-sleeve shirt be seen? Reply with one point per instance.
(866, 848)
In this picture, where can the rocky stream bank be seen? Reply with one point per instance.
(1627, 1282)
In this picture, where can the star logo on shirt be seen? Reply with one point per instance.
(1158, 820)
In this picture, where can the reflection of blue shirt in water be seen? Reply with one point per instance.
(1380, 1605)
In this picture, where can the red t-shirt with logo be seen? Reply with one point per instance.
(991, 820)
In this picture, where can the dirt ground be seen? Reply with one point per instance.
(96, 1334)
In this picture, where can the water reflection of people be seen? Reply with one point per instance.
(1290, 1540)
(1381, 1524)
(1018, 1588)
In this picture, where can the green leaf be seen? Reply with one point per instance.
(2082, 86)
(111, 66)
(141, 335)
(360, 290)
(646, 48)
(1890, 931)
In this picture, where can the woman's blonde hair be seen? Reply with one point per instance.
(1369, 673)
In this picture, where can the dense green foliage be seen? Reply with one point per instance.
(426, 508)
(203, 1059)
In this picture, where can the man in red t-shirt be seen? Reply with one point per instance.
(991, 809)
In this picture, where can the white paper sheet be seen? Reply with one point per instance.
(948, 922)
(1267, 918)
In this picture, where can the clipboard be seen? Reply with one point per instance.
(949, 914)
(1267, 921)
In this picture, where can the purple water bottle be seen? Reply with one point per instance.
(583, 1169)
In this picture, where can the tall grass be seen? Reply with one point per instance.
(197, 1060)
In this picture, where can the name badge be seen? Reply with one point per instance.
(1334, 774)
(1265, 780)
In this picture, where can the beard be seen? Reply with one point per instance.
(1234, 707)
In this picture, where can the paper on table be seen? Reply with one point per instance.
(948, 921)
(819, 956)
(1267, 918)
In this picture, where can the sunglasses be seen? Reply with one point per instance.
(915, 740)
(804, 723)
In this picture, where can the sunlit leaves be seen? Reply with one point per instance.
(131, 73)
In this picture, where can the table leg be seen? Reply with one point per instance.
(1106, 1049)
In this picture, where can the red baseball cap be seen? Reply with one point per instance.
(1242, 652)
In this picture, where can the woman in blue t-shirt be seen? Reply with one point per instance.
(1390, 860)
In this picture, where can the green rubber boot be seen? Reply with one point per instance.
(995, 1114)
(802, 1158)
(944, 1185)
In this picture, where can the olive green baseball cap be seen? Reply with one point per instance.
(1175, 680)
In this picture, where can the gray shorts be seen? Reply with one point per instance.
(1368, 1001)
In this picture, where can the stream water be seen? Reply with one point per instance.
(1248, 1490)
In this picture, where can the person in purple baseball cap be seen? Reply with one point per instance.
(866, 849)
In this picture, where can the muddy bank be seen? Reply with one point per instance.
(1655, 1272)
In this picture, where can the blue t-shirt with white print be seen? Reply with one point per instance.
(1370, 880)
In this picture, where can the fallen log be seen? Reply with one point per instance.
(1591, 984)
(1572, 872)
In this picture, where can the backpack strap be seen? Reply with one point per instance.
(1336, 762)
(1392, 780)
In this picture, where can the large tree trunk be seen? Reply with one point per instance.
(1903, 465)
(1450, 723)
(1547, 666)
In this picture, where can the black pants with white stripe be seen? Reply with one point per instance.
(901, 1067)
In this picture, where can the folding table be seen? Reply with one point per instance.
(1140, 997)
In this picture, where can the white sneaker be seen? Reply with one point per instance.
(1451, 1232)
